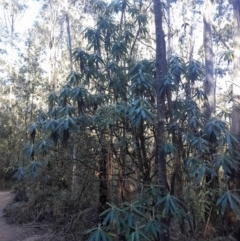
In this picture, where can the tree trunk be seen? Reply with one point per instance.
(234, 181)
(210, 105)
(69, 41)
(169, 49)
(235, 127)
(110, 167)
(209, 84)
(74, 151)
(103, 182)
(161, 70)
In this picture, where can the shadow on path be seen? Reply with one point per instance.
(14, 232)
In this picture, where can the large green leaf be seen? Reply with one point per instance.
(33, 169)
(98, 234)
(141, 110)
(231, 199)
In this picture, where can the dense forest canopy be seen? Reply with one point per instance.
(120, 119)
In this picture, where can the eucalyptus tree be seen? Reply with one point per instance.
(234, 183)
(208, 50)
(161, 71)
(223, 54)
(210, 90)
(235, 127)
(11, 14)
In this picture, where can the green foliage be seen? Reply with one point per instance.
(29, 151)
(227, 55)
(227, 162)
(97, 135)
(140, 111)
(141, 219)
(98, 234)
(33, 169)
(194, 70)
(231, 199)
(19, 173)
(172, 207)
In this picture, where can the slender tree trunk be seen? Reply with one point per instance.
(234, 181)
(209, 84)
(74, 151)
(209, 88)
(161, 70)
(110, 166)
(103, 186)
(52, 47)
(235, 127)
(69, 41)
(169, 49)
(12, 27)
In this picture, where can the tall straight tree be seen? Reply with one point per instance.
(234, 181)
(161, 71)
(11, 13)
(208, 51)
(235, 126)
(209, 88)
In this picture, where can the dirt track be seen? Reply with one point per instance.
(13, 232)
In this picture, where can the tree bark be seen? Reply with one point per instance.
(234, 181)
(169, 49)
(209, 84)
(69, 41)
(209, 88)
(74, 151)
(235, 125)
(103, 180)
(161, 70)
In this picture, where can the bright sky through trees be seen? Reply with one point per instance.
(29, 17)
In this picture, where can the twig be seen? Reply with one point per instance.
(205, 230)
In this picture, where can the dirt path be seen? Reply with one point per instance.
(14, 232)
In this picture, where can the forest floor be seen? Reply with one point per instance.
(10, 232)
(41, 232)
